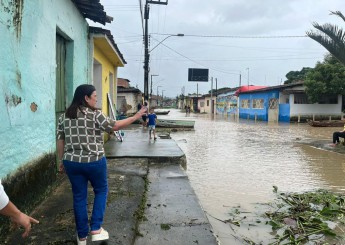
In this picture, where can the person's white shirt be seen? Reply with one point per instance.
(3, 197)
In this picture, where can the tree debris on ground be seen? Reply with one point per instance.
(316, 217)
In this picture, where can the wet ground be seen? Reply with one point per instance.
(236, 163)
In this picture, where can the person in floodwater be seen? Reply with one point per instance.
(81, 153)
(337, 135)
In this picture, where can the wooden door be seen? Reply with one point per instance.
(60, 100)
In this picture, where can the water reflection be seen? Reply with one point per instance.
(233, 163)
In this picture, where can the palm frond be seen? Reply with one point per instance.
(331, 37)
(334, 32)
(334, 48)
(339, 14)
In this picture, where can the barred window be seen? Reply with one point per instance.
(328, 99)
(258, 103)
(202, 104)
(301, 99)
(245, 103)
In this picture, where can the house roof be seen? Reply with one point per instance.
(279, 87)
(93, 10)
(106, 33)
(249, 88)
(128, 90)
(220, 91)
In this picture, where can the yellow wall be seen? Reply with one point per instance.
(107, 67)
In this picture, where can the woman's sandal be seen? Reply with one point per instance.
(103, 235)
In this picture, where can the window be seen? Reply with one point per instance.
(208, 103)
(328, 99)
(258, 103)
(301, 99)
(245, 103)
(202, 104)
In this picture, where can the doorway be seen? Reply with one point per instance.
(97, 81)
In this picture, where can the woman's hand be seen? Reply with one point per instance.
(24, 221)
(125, 122)
(140, 113)
(61, 168)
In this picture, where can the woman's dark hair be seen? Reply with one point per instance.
(79, 100)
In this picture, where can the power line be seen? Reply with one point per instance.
(133, 41)
(233, 36)
(194, 60)
(141, 16)
(215, 69)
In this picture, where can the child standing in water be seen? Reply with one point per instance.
(152, 119)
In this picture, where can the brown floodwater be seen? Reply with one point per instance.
(234, 163)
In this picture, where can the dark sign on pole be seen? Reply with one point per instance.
(197, 75)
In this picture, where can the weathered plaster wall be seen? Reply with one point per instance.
(27, 75)
(207, 108)
(132, 100)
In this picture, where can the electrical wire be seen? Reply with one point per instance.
(141, 16)
(215, 69)
(234, 36)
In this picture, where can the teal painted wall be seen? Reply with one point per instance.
(27, 75)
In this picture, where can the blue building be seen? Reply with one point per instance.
(286, 103)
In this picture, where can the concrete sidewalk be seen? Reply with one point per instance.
(150, 199)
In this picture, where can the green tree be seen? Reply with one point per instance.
(331, 37)
(295, 76)
(327, 78)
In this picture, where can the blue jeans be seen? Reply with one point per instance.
(79, 174)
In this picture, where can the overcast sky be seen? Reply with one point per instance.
(267, 60)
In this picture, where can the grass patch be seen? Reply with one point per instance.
(165, 227)
(139, 214)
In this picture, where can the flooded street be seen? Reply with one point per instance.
(232, 163)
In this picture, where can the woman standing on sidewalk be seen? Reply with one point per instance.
(80, 148)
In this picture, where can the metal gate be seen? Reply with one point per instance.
(273, 110)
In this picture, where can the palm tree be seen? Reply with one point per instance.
(331, 37)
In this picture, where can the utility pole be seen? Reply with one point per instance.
(162, 97)
(240, 80)
(211, 94)
(158, 96)
(216, 95)
(248, 75)
(152, 75)
(197, 96)
(146, 43)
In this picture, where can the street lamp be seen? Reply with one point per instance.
(147, 58)
(172, 35)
